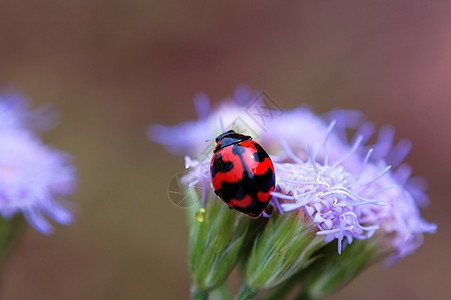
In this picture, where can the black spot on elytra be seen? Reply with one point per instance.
(261, 154)
(239, 150)
(248, 186)
(220, 166)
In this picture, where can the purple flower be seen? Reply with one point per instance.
(347, 189)
(33, 177)
(353, 201)
(351, 191)
(15, 114)
(194, 137)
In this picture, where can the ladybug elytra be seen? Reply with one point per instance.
(242, 173)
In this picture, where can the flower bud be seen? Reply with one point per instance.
(216, 239)
(332, 271)
(283, 248)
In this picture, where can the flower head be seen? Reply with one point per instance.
(353, 196)
(33, 176)
(327, 189)
(15, 114)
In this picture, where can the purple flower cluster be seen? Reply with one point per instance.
(33, 176)
(191, 138)
(349, 190)
(353, 196)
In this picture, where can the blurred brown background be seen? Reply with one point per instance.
(113, 67)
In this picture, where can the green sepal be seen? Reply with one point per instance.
(283, 248)
(333, 271)
(215, 244)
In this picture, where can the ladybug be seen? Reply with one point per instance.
(242, 173)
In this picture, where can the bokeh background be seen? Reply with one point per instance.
(113, 67)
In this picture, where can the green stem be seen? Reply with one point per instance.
(199, 295)
(281, 291)
(303, 295)
(221, 293)
(247, 293)
(10, 231)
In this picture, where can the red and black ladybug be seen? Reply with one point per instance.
(242, 173)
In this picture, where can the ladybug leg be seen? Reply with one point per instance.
(267, 212)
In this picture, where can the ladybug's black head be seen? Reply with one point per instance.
(228, 138)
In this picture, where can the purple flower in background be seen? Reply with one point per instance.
(33, 177)
(193, 137)
(15, 114)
